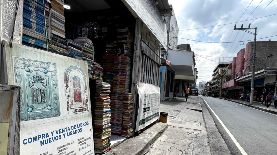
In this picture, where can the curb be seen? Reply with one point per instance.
(226, 138)
(249, 105)
(216, 141)
(146, 148)
(140, 144)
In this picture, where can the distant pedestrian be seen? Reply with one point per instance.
(264, 96)
(275, 100)
(269, 98)
(186, 94)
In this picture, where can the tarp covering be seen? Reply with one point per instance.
(149, 105)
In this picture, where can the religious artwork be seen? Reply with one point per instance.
(39, 88)
(76, 90)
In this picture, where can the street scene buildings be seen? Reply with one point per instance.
(137, 77)
(232, 79)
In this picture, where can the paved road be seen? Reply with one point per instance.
(255, 131)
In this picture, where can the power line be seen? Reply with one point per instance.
(268, 4)
(251, 14)
(266, 37)
(237, 33)
(205, 57)
(245, 10)
(256, 7)
(211, 42)
(226, 42)
(252, 19)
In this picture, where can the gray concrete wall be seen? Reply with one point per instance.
(173, 32)
(150, 15)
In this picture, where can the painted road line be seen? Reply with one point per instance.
(242, 151)
(253, 108)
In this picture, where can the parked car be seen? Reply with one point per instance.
(194, 91)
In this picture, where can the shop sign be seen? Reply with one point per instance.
(149, 105)
(55, 115)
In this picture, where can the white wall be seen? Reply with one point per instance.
(178, 57)
(7, 13)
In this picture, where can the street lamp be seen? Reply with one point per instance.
(253, 58)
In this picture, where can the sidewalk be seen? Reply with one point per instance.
(257, 105)
(186, 133)
(190, 130)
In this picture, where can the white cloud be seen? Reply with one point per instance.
(213, 20)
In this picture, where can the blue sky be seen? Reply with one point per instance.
(204, 21)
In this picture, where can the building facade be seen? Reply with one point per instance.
(265, 70)
(183, 63)
(110, 77)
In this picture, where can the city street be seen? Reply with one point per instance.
(254, 130)
(138, 77)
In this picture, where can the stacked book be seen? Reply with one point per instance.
(108, 64)
(117, 113)
(97, 71)
(57, 19)
(117, 71)
(87, 52)
(120, 86)
(74, 50)
(102, 118)
(56, 28)
(128, 108)
(34, 23)
(87, 47)
(58, 45)
(122, 69)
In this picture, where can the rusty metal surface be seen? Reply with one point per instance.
(9, 120)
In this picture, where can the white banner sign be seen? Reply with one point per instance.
(55, 113)
(69, 136)
(149, 105)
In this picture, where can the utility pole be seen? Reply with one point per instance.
(221, 75)
(253, 57)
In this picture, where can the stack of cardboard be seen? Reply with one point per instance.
(102, 118)
(34, 23)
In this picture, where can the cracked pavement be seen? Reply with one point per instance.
(186, 133)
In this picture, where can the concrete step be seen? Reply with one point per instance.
(140, 144)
